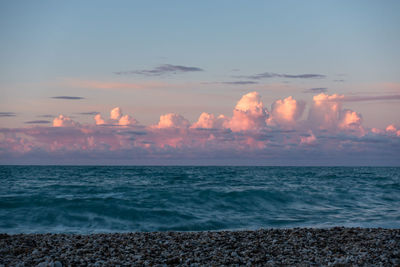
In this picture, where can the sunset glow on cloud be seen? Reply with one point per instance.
(249, 114)
(63, 121)
(286, 111)
(252, 132)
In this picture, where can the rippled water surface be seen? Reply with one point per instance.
(86, 199)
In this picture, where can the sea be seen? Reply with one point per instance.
(103, 199)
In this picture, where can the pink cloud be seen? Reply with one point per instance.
(325, 110)
(116, 118)
(172, 120)
(209, 121)
(377, 131)
(309, 139)
(249, 114)
(251, 132)
(393, 130)
(350, 119)
(116, 113)
(63, 121)
(99, 119)
(286, 111)
(126, 120)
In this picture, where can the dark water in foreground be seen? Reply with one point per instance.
(118, 199)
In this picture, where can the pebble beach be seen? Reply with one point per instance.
(337, 246)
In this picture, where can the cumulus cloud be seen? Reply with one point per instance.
(116, 113)
(392, 130)
(325, 110)
(63, 121)
(206, 120)
(286, 111)
(350, 119)
(161, 70)
(209, 121)
(172, 120)
(116, 118)
(249, 113)
(126, 120)
(99, 119)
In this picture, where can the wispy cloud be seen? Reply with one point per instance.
(370, 98)
(38, 122)
(89, 113)
(240, 82)
(46, 116)
(316, 90)
(266, 75)
(7, 114)
(68, 97)
(161, 70)
(354, 98)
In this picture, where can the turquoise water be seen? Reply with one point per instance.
(84, 199)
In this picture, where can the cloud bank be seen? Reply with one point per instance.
(254, 134)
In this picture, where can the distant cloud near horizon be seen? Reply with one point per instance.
(7, 114)
(316, 90)
(161, 70)
(265, 75)
(37, 122)
(68, 97)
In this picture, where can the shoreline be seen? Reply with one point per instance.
(265, 247)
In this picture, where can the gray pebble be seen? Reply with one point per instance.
(264, 247)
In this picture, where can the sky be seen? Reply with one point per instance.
(200, 83)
